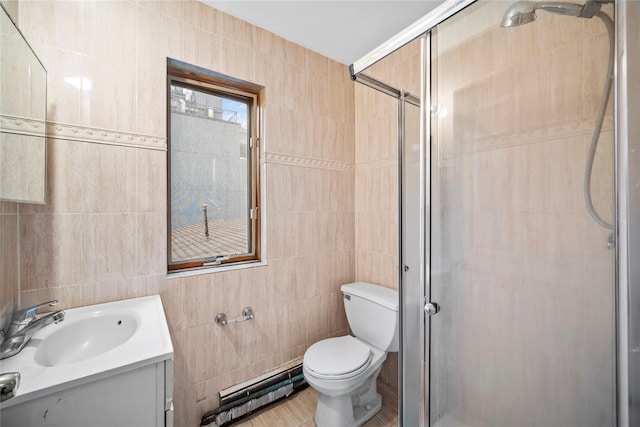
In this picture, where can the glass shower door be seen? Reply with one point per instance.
(522, 274)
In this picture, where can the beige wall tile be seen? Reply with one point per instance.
(204, 17)
(108, 177)
(316, 190)
(151, 181)
(295, 88)
(50, 250)
(66, 86)
(185, 407)
(105, 103)
(151, 119)
(273, 129)
(318, 319)
(107, 289)
(295, 242)
(172, 294)
(259, 291)
(275, 236)
(287, 185)
(566, 178)
(63, 180)
(296, 127)
(19, 153)
(318, 94)
(201, 301)
(294, 54)
(100, 21)
(290, 282)
(602, 187)
(341, 191)
(151, 241)
(238, 30)
(154, 43)
(270, 74)
(270, 44)
(322, 132)
(107, 255)
(55, 23)
(237, 59)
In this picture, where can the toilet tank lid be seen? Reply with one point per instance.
(375, 293)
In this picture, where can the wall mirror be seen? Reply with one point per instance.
(23, 109)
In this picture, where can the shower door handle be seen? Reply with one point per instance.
(431, 308)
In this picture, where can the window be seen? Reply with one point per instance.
(213, 169)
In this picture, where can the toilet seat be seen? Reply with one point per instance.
(337, 358)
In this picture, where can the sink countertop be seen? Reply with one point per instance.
(150, 343)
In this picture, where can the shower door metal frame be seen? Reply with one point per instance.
(425, 221)
(406, 359)
(411, 351)
(627, 199)
(416, 30)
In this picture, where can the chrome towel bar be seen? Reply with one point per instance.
(247, 314)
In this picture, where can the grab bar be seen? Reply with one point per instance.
(247, 314)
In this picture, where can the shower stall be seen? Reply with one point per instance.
(519, 184)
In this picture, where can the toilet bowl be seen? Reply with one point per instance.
(344, 369)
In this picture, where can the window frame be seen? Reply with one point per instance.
(218, 84)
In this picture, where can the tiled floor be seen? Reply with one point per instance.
(298, 411)
(225, 237)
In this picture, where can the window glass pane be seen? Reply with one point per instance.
(210, 175)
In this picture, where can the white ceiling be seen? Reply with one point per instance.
(341, 30)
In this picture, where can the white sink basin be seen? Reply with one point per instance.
(92, 342)
(86, 338)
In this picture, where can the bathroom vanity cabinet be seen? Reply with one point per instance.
(105, 365)
(142, 397)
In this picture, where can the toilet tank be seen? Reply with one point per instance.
(372, 312)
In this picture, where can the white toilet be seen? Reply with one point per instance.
(344, 369)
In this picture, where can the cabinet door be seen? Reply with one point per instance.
(126, 400)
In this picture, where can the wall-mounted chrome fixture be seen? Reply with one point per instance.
(247, 314)
(9, 383)
(24, 325)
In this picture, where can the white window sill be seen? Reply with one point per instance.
(217, 269)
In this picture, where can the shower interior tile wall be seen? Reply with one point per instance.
(101, 235)
(533, 286)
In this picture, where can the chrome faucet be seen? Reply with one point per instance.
(24, 325)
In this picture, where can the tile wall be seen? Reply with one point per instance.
(101, 236)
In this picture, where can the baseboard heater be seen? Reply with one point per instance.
(245, 399)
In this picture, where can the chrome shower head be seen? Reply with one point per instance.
(519, 13)
(523, 12)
